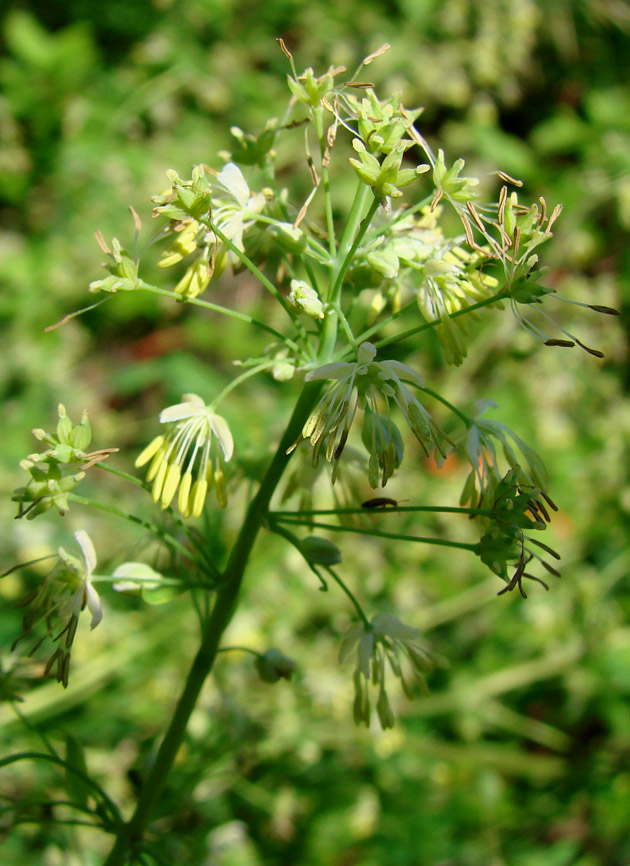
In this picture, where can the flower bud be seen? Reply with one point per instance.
(64, 426)
(304, 299)
(320, 551)
(273, 666)
(288, 237)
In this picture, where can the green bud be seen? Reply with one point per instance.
(81, 435)
(305, 299)
(64, 426)
(63, 453)
(273, 666)
(384, 711)
(385, 262)
(251, 150)
(320, 551)
(288, 237)
(283, 370)
(309, 89)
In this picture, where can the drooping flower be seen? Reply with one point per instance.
(371, 386)
(232, 208)
(379, 644)
(187, 456)
(482, 439)
(64, 593)
(451, 283)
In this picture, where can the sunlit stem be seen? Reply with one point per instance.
(401, 215)
(314, 246)
(119, 473)
(253, 371)
(318, 114)
(251, 267)
(354, 230)
(217, 308)
(350, 595)
(166, 537)
(404, 335)
(352, 237)
(256, 272)
(468, 421)
(345, 327)
(243, 649)
(374, 329)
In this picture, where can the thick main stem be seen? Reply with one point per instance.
(222, 612)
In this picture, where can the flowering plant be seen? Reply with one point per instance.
(346, 293)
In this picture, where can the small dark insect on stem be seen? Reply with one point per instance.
(379, 502)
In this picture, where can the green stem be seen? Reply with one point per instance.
(435, 509)
(236, 382)
(353, 232)
(374, 329)
(264, 280)
(321, 252)
(350, 595)
(217, 308)
(345, 326)
(251, 267)
(468, 421)
(318, 114)
(397, 338)
(222, 612)
(351, 240)
(132, 479)
(151, 527)
(243, 649)
(106, 802)
(401, 215)
(333, 527)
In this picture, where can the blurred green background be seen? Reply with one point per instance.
(520, 756)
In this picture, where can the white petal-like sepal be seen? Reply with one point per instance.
(222, 432)
(402, 371)
(89, 554)
(336, 370)
(230, 181)
(181, 411)
(349, 641)
(93, 603)
(366, 648)
(388, 625)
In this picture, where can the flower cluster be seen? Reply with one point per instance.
(451, 283)
(371, 386)
(227, 201)
(64, 593)
(412, 255)
(57, 471)
(515, 509)
(481, 450)
(381, 145)
(123, 269)
(381, 643)
(187, 456)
